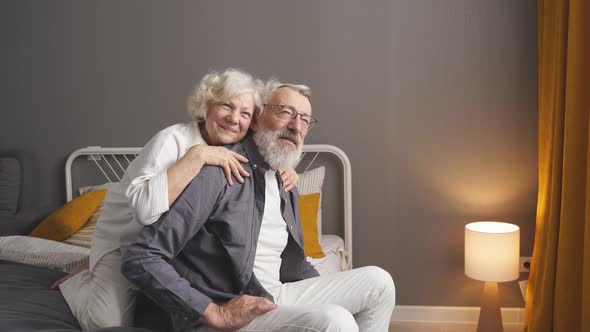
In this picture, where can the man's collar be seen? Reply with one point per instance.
(252, 152)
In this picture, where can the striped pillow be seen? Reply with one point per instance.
(108, 186)
(312, 182)
(83, 237)
(42, 252)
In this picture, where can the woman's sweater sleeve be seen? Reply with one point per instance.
(147, 193)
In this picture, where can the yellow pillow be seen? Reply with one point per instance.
(68, 219)
(308, 210)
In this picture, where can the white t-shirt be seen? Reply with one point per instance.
(142, 195)
(273, 237)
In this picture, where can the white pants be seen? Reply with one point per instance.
(358, 300)
(101, 298)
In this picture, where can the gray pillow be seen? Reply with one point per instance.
(9, 185)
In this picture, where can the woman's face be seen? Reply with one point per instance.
(228, 122)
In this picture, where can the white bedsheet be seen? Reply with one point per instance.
(336, 257)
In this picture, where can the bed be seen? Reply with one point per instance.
(28, 265)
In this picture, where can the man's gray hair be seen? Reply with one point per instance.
(220, 87)
(273, 85)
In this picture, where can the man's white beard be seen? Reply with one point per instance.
(278, 156)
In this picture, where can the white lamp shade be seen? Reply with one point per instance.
(492, 251)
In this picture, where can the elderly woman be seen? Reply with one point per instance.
(222, 107)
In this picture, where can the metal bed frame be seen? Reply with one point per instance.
(112, 163)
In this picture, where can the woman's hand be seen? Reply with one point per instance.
(290, 179)
(229, 160)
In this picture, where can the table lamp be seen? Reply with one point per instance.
(492, 251)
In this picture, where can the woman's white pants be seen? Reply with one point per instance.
(101, 298)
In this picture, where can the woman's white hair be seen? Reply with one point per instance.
(216, 88)
(273, 85)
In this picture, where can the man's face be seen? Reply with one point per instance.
(280, 138)
(287, 97)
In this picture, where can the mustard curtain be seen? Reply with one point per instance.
(558, 296)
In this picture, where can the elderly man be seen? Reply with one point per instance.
(231, 257)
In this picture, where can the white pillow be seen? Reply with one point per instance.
(312, 182)
(42, 252)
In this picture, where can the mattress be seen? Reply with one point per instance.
(27, 303)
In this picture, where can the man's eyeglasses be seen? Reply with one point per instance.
(287, 113)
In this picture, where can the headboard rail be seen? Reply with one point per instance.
(112, 162)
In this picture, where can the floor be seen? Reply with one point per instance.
(444, 327)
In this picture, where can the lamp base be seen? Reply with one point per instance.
(490, 317)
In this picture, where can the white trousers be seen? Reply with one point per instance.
(103, 297)
(357, 300)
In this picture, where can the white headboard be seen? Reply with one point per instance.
(111, 164)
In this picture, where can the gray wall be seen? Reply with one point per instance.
(434, 102)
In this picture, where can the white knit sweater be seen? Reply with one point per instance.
(142, 195)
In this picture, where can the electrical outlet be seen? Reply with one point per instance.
(525, 264)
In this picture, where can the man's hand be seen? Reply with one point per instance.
(236, 313)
